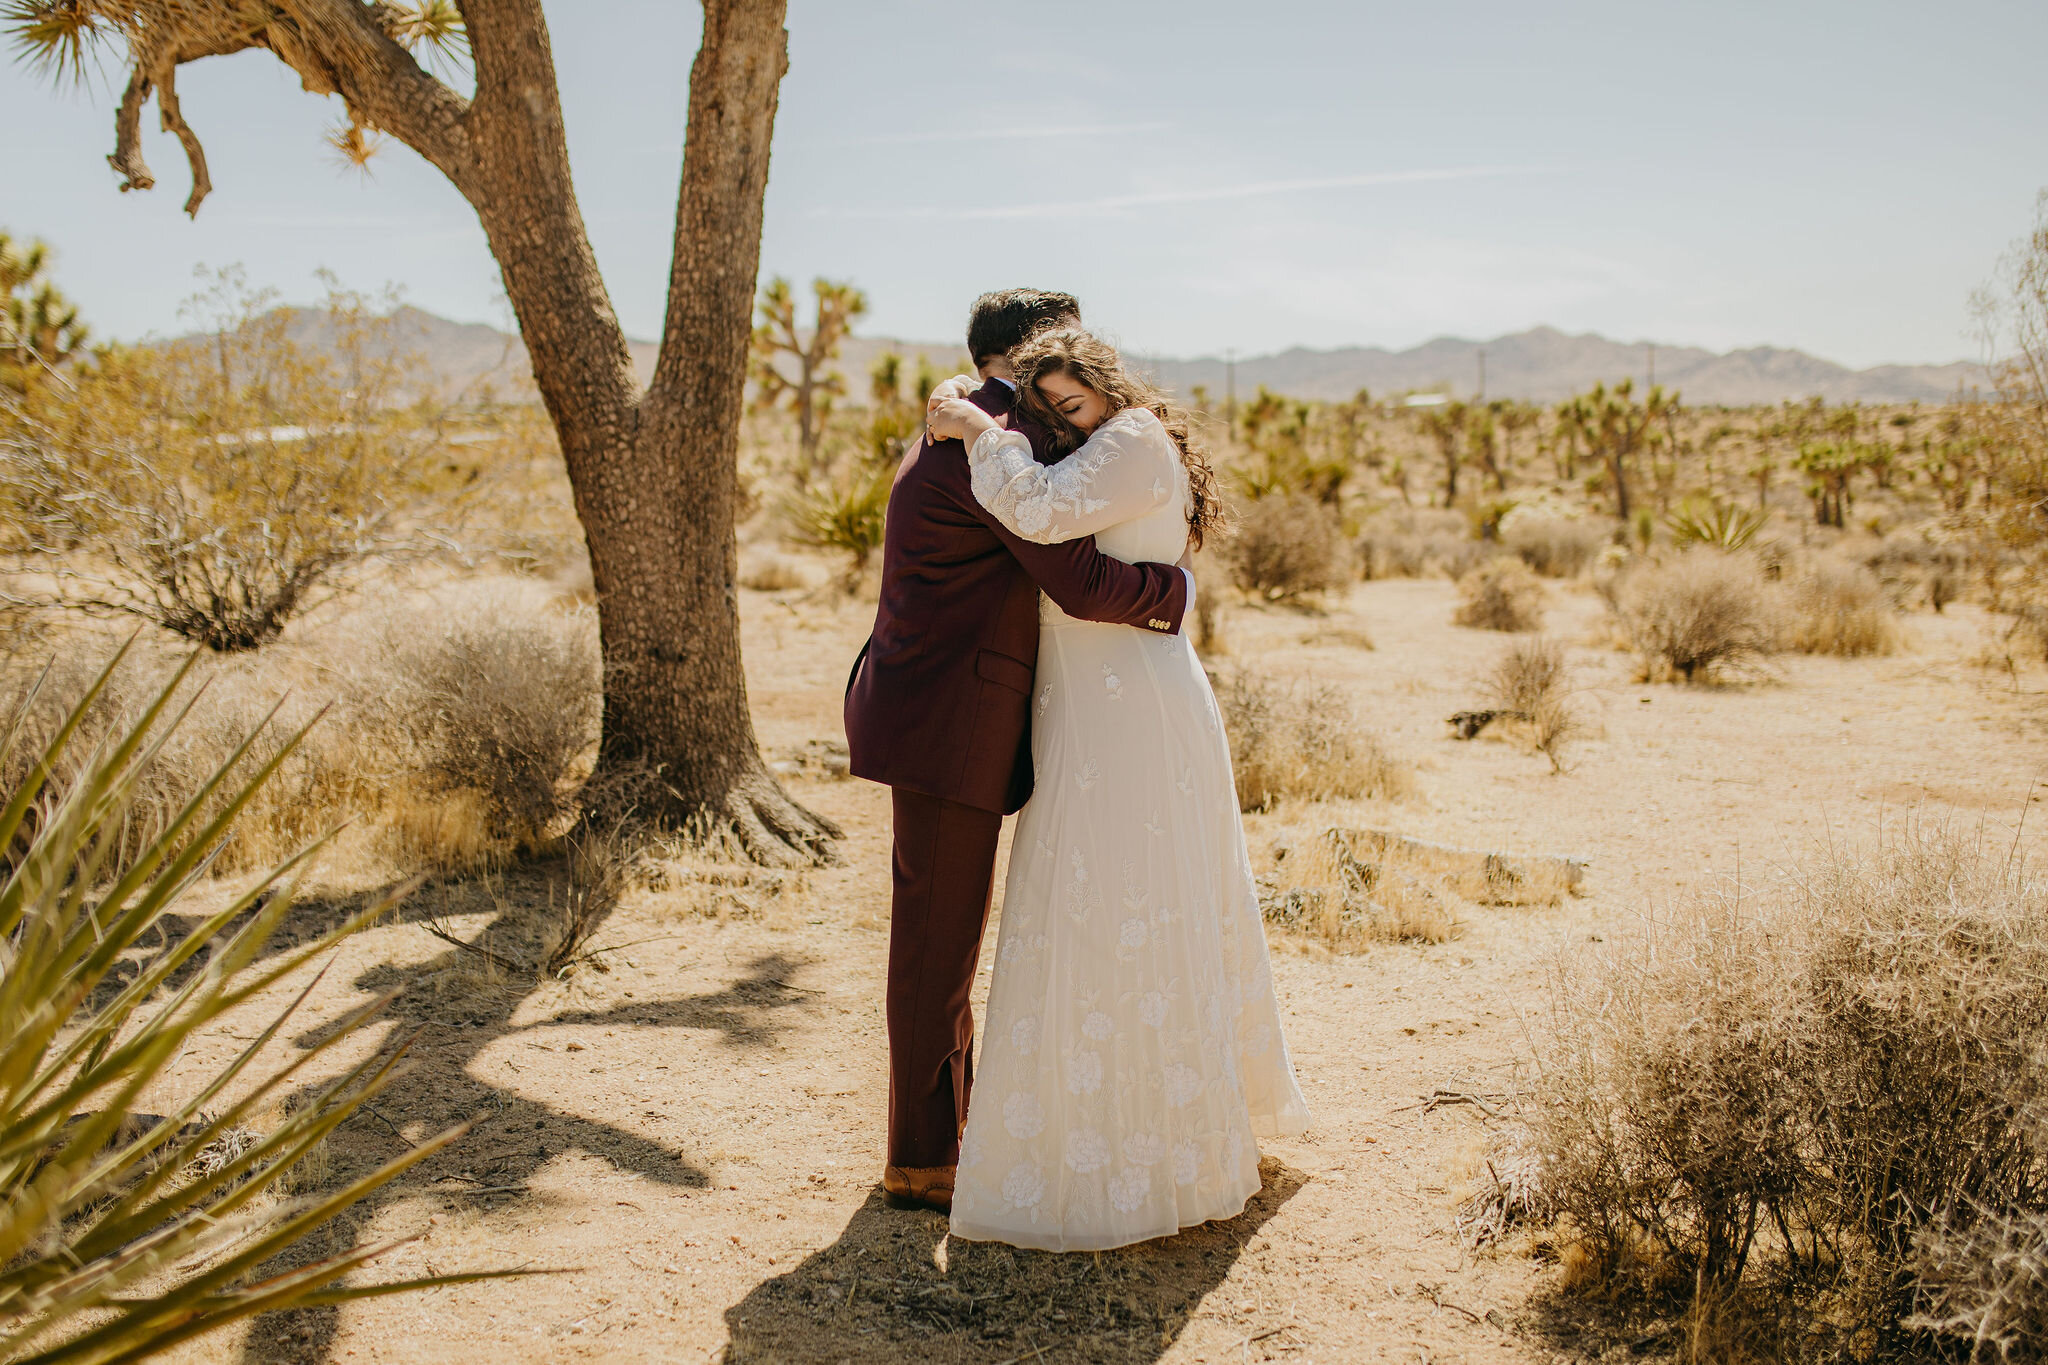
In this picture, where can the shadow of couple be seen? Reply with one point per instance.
(893, 1286)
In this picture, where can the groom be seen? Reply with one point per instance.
(938, 708)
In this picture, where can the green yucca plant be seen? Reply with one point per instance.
(1719, 524)
(847, 516)
(98, 996)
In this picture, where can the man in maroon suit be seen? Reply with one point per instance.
(938, 708)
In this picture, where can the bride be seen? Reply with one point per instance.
(1133, 1052)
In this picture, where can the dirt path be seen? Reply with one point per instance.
(693, 1138)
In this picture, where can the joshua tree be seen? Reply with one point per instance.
(39, 327)
(1618, 428)
(653, 471)
(810, 393)
(1446, 425)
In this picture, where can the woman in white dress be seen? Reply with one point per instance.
(1132, 1053)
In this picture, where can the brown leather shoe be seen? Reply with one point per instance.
(919, 1187)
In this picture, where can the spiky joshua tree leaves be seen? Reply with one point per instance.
(654, 470)
(124, 1233)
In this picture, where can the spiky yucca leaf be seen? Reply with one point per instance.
(56, 38)
(847, 516)
(1721, 525)
(98, 996)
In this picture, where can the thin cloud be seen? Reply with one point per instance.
(1121, 203)
(1000, 134)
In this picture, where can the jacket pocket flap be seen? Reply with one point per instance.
(1004, 670)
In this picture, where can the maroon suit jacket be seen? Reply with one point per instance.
(939, 699)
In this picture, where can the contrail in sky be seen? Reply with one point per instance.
(1119, 202)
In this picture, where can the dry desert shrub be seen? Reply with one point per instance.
(1555, 547)
(1835, 607)
(1531, 680)
(1500, 594)
(1821, 1102)
(1416, 543)
(1986, 1283)
(1303, 742)
(1340, 903)
(455, 728)
(228, 706)
(489, 695)
(1287, 546)
(1695, 614)
(771, 573)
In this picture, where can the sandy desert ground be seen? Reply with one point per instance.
(691, 1141)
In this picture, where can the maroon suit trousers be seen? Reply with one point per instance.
(944, 865)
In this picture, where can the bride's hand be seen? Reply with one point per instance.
(959, 386)
(956, 418)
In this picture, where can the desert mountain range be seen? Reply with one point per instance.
(1539, 365)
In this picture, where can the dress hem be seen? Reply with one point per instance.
(1104, 1243)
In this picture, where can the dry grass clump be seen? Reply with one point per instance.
(1554, 546)
(772, 573)
(1343, 904)
(492, 696)
(1834, 607)
(1531, 680)
(1302, 742)
(1821, 1104)
(1696, 614)
(1416, 543)
(1287, 546)
(1500, 594)
(228, 707)
(451, 730)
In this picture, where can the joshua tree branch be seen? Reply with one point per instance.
(127, 155)
(174, 122)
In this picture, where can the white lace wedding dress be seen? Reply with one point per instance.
(1132, 1053)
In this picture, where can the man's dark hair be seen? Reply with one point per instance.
(1002, 319)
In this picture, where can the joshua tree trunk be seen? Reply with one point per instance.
(653, 473)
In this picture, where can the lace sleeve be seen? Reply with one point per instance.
(1122, 472)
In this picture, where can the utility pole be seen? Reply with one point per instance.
(1482, 374)
(1230, 390)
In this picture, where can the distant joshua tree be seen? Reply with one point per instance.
(39, 327)
(810, 392)
(1447, 425)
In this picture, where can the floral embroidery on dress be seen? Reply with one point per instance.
(1187, 781)
(1084, 1073)
(1088, 775)
(1087, 1150)
(1045, 699)
(1023, 1187)
(1024, 1035)
(1154, 827)
(1128, 1189)
(1144, 1149)
(1036, 500)
(1112, 684)
(1185, 1158)
(1082, 897)
(1152, 1009)
(1098, 1025)
(1133, 933)
(1023, 1116)
(1183, 1083)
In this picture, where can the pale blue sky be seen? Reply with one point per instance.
(1816, 173)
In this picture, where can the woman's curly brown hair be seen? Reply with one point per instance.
(1088, 360)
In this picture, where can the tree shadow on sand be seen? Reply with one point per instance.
(879, 1293)
(515, 1133)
